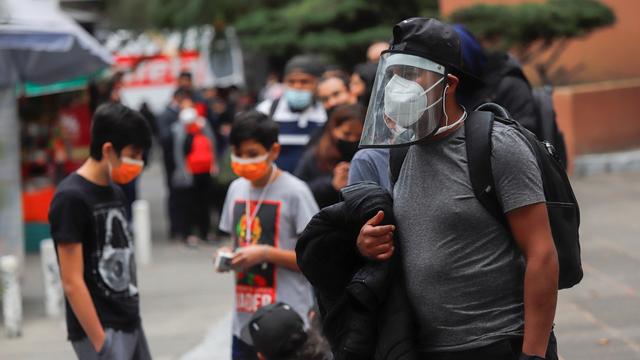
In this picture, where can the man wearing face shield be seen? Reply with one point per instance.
(479, 289)
(297, 112)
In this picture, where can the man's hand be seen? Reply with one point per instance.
(249, 256)
(375, 241)
(340, 176)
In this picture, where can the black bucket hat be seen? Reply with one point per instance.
(431, 39)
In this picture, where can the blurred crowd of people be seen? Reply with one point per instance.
(320, 111)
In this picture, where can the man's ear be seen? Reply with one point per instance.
(274, 152)
(107, 150)
(453, 83)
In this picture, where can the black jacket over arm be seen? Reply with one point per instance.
(366, 313)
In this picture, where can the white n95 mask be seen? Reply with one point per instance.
(405, 101)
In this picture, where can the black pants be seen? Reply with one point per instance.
(179, 205)
(200, 208)
(509, 349)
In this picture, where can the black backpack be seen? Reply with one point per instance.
(562, 207)
(547, 126)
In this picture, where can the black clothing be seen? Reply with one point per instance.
(502, 350)
(179, 214)
(319, 182)
(504, 86)
(95, 216)
(365, 310)
(165, 123)
(177, 198)
(200, 211)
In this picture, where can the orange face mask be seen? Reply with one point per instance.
(128, 170)
(250, 169)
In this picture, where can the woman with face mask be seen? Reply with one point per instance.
(325, 166)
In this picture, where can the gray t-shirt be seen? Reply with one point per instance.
(371, 165)
(464, 272)
(287, 208)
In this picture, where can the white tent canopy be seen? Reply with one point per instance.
(40, 44)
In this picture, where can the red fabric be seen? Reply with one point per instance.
(36, 204)
(201, 109)
(200, 159)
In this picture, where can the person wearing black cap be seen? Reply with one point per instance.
(276, 331)
(297, 112)
(480, 289)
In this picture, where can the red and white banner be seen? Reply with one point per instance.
(159, 70)
(153, 79)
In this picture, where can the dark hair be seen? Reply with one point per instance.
(308, 64)
(315, 348)
(343, 78)
(185, 74)
(119, 125)
(254, 125)
(366, 72)
(327, 153)
(183, 93)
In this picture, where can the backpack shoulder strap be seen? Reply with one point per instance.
(478, 141)
(274, 106)
(396, 159)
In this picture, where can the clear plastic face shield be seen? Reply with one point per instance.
(407, 102)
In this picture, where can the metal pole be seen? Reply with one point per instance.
(53, 294)
(11, 297)
(142, 231)
(11, 225)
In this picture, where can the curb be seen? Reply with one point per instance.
(592, 164)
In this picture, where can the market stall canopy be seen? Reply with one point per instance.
(40, 44)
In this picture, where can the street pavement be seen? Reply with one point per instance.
(600, 318)
(186, 306)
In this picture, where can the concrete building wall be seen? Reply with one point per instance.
(599, 117)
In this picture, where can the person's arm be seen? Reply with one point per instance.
(362, 169)
(531, 231)
(249, 256)
(75, 289)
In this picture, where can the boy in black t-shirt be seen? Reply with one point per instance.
(94, 244)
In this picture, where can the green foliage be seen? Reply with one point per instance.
(536, 29)
(341, 29)
(523, 24)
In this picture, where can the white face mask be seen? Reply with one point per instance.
(405, 101)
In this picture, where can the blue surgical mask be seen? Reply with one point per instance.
(298, 99)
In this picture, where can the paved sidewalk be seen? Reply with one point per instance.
(600, 318)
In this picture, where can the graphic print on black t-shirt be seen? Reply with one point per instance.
(256, 286)
(94, 216)
(115, 260)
